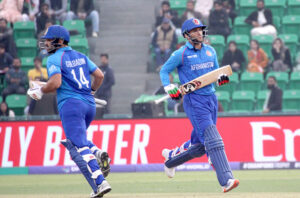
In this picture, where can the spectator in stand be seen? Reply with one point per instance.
(281, 56)
(42, 17)
(105, 91)
(5, 111)
(167, 12)
(261, 20)
(229, 6)
(6, 61)
(234, 57)
(38, 73)
(85, 10)
(11, 10)
(190, 12)
(204, 8)
(6, 38)
(257, 57)
(218, 20)
(58, 8)
(31, 9)
(273, 101)
(15, 80)
(164, 40)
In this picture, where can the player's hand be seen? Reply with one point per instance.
(35, 93)
(173, 91)
(223, 79)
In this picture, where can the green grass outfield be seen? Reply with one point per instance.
(253, 184)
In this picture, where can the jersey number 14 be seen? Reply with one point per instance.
(82, 78)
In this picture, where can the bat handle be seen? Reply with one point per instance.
(100, 102)
(162, 99)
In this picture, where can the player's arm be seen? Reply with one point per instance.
(53, 83)
(98, 79)
(174, 61)
(97, 74)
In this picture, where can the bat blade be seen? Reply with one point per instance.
(200, 82)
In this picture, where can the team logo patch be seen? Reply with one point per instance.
(196, 21)
(208, 53)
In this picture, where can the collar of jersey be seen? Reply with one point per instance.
(190, 46)
(64, 48)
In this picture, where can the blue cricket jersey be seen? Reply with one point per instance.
(75, 69)
(191, 63)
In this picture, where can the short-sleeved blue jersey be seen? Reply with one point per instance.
(191, 63)
(75, 69)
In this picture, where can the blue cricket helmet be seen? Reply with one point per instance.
(57, 31)
(190, 24)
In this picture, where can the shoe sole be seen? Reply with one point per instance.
(103, 192)
(235, 184)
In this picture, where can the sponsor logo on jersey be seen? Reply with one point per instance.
(192, 56)
(196, 21)
(53, 69)
(76, 62)
(208, 53)
(202, 66)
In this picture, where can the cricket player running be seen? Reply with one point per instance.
(193, 60)
(69, 74)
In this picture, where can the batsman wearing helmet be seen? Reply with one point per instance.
(69, 74)
(193, 60)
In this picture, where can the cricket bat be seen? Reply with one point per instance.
(32, 84)
(200, 82)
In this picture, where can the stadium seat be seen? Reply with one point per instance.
(176, 77)
(242, 101)
(27, 63)
(80, 44)
(240, 27)
(224, 99)
(24, 29)
(281, 77)
(26, 47)
(75, 25)
(265, 42)
(261, 97)
(291, 100)
(218, 42)
(291, 24)
(178, 5)
(295, 80)
(44, 62)
(251, 81)
(232, 85)
(276, 6)
(242, 41)
(293, 7)
(181, 39)
(247, 7)
(277, 23)
(291, 41)
(17, 102)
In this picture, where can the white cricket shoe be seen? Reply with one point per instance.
(170, 172)
(231, 184)
(103, 188)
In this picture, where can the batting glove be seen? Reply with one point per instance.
(173, 91)
(35, 93)
(223, 79)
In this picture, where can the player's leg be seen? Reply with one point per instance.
(180, 155)
(101, 156)
(73, 120)
(207, 133)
